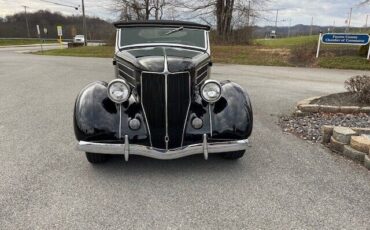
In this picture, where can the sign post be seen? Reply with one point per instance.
(318, 46)
(344, 39)
(60, 34)
(39, 34)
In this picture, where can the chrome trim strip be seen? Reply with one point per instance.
(197, 70)
(120, 122)
(128, 67)
(187, 112)
(120, 77)
(205, 147)
(142, 107)
(166, 72)
(210, 119)
(202, 81)
(121, 71)
(127, 148)
(201, 75)
(132, 149)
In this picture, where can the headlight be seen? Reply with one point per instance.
(119, 91)
(211, 91)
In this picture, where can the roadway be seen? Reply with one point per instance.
(282, 182)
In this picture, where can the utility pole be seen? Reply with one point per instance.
(25, 15)
(290, 25)
(249, 13)
(84, 21)
(367, 18)
(349, 20)
(276, 19)
(311, 29)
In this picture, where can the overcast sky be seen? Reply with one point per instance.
(325, 12)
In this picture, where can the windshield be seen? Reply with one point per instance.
(179, 36)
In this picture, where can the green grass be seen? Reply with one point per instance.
(286, 42)
(12, 42)
(250, 55)
(279, 52)
(245, 55)
(344, 62)
(85, 51)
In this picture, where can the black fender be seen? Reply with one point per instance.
(97, 118)
(230, 118)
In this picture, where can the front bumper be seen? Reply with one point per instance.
(130, 149)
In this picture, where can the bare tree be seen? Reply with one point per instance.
(227, 14)
(140, 9)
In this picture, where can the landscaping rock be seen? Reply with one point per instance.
(353, 154)
(329, 109)
(360, 143)
(343, 134)
(367, 161)
(309, 108)
(327, 132)
(361, 131)
(365, 110)
(336, 145)
(349, 109)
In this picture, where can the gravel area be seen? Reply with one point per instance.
(309, 127)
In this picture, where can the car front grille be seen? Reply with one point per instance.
(155, 105)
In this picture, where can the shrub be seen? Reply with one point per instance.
(363, 50)
(360, 86)
(304, 55)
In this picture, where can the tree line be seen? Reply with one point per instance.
(231, 19)
(15, 26)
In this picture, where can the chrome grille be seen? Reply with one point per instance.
(153, 99)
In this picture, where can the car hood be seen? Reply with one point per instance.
(152, 59)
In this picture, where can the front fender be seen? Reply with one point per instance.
(230, 118)
(232, 114)
(97, 118)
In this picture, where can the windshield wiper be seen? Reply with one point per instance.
(175, 30)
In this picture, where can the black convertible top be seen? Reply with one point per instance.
(160, 23)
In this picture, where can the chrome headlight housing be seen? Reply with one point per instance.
(118, 91)
(211, 91)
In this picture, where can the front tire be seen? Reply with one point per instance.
(233, 155)
(97, 158)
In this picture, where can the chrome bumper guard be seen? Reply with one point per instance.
(126, 149)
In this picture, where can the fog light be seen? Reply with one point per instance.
(197, 123)
(134, 124)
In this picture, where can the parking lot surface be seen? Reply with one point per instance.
(282, 182)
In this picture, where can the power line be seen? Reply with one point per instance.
(60, 4)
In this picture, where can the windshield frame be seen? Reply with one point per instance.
(205, 48)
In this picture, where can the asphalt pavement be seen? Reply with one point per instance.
(282, 182)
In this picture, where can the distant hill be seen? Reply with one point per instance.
(14, 26)
(300, 30)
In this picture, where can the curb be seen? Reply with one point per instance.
(352, 143)
(367, 162)
(305, 106)
(354, 154)
(336, 145)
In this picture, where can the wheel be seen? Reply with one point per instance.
(97, 158)
(233, 155)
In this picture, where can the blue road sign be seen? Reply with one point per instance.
(346, 39)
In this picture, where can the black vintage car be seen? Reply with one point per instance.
(162, 103)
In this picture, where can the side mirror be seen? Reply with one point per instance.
(114, 62)
(210, 63)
